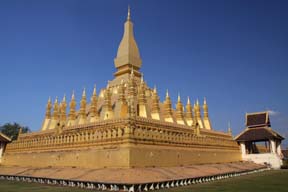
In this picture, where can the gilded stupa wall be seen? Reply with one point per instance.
(126, 125)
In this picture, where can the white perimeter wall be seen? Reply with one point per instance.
(270, 158)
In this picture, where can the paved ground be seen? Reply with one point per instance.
(130, 176)
(260, 182)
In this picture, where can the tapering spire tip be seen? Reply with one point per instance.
(84, 92)
(94, 90)
(56, 100)
(188, 100)
(64, 98)
(129, 14)
(179, 98)
(73, 95)
(142, 78)
(155, 89)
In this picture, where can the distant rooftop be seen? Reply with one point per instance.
(259, 134)
(258, 128)
(260, 119)
(4, 138)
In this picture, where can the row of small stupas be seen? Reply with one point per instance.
(115, 102)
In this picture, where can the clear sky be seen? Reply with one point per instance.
(235, 53)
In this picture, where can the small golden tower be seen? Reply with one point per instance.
(168, 114)
(205, 108)
(19, 132)
(107, 106)
(206, 120)
(142, 101)
(121, 107)
(48, 109)
(198, 117)
(189, 113)
(72, 113)
(155, 109)
(179, 112)
(121, 92)
(195, 123)
(93, 107)
(82, 111)
(47, 119)
(55, 117)
(229, 128)
(132, 93)
(197, 109)
(197, 129)
(63, 108)
(141, 95)
(132, 87)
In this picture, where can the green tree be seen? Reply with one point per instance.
(12, 130)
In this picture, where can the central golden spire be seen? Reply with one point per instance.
(128, 56)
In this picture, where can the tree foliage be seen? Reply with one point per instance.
(12, 130)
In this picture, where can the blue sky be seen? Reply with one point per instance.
(235, 53)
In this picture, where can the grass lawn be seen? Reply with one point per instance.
(264, 181)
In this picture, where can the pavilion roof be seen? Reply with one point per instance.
(259, 119)
(4, 138)
(258, 134)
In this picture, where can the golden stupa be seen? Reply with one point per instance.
(124, 126)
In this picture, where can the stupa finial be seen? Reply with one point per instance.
(73, 95)
(56, 109)
(128, 14)
(179, 98)
(155, 89)
(94, 90)
(142, 77)
(48, 108)
(167, 93)
(64, 98)
(229, 128)
(205, 108)
(84, 92)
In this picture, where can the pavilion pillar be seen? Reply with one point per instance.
(273, 146)
(1, 150)
(278, 148)
(243, 148)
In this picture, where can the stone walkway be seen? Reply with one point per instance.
(131, 175)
